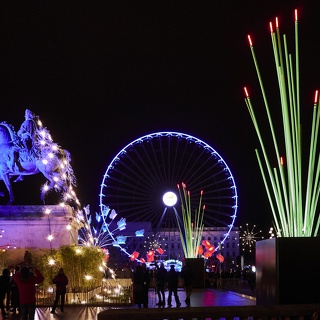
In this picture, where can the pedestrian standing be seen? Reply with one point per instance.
(146, 286)
(173, 280)
(15, 293)
(26, 280)
(161, 277)
(187, 275)
(61, 282)
(4, 290)
(138, 280)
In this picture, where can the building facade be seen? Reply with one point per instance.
(171, 247)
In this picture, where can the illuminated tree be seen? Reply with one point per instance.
(84, 266)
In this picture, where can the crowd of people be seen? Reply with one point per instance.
(163, 280)
(18, 289)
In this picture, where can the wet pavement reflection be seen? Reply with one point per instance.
(199, 297)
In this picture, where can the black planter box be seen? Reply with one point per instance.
(198, 270)
(288, 271)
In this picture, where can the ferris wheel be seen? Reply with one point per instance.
(144, 171)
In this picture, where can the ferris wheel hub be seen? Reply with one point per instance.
(169, 199)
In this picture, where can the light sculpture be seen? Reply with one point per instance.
(293, 193)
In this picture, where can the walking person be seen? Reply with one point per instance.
(26, 280)
(61, 282)
(4, 290)
(161, 277)
(173, 279)
(187, 275)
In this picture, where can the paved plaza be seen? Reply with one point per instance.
(199, 297)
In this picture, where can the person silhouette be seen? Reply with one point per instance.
(161, 277)
(173, 279)
(187, 275)
(26, 279)
(61, 282)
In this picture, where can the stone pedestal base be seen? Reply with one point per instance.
(28, 227)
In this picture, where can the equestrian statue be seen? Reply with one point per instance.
(30, 151)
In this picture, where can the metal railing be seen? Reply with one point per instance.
(103, 295)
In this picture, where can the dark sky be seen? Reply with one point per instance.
(102, 73)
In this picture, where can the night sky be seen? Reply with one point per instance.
(101, 74)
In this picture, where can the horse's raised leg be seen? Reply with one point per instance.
(6, 179)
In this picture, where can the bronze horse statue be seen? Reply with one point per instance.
(44, 157)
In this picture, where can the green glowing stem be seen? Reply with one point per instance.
(298, 121)
(280, 74)
(295, 128)
(286, 126)
(313, 153)
(249, 105)
(296, 32)
(270, 173)
(264, 97)
(310, 175)
(284, 218)
(268, 191)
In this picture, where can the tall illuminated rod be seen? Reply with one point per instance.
(191, 228)
(295, 213)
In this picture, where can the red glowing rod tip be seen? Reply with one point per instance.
(271, 27)
(250, 42)
(277, 23)
(296, 15)
(316, 97)
(246, 92)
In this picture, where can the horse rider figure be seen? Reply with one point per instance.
(27, 130)
(26, 133)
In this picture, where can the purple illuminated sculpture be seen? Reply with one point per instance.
(31, 151)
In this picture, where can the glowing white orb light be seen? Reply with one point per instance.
(169, 199)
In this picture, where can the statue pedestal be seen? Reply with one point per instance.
(28, 227)
(287, 271)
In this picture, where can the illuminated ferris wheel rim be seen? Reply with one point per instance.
(187, 137)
